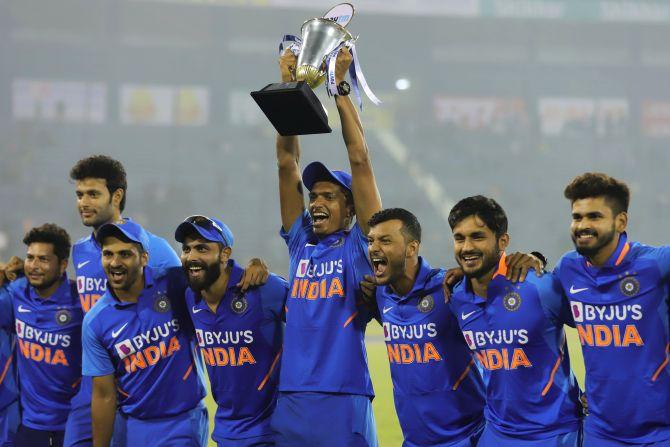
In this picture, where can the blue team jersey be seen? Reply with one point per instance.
(148, 346)
(621, 314)
(517, 336)
(8, 388)
(324, 348)
(438, 392)
(92, 282)
(241, 344)
(48, 331)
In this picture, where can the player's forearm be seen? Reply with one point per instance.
(352, 131)
(103, 411)
(288, 151)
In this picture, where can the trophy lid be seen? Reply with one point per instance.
(341, 14)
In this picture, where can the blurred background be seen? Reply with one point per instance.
(507, 98)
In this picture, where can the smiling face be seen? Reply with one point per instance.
(476, 248)
(123, 263)
(388, 251)
(328, 208)
(202, 261)
(42, 267)
(595, 228)
(95, 204)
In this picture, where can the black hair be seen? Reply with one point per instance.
(411, 228)
(596, 184)
(50, 233)
(102, 167)
(488, 210)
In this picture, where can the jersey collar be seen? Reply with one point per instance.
(54, 297)
(148, 284)
(500, 274)
(616, 258)
(419, 286)
(236, 272)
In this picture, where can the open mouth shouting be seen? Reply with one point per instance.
(195, 270)
(117, 275)
(379, 265)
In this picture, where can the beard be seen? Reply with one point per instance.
(211, 273)
(490, 261)
(45, 283)
(600, 242)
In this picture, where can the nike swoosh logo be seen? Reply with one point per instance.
(118, 331)
(573, 290)
(23, 309)
(465, 316)
(81, 264)
(195, 310)
(386, 309)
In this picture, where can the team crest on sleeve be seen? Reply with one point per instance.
(629, 286)
(512, 301)
(239, 304)
(426, 304)
(162, 304)
(577, 310)
(63, 317)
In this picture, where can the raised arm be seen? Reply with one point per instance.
(363, 184)
(291, 199)
(103, 409)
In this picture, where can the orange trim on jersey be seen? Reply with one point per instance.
(463, 375)
(502, 267)
(350, 319)
(272, 367)
(76, 383)
(551, 376)
(663, 365)
(121, 392)
(188, 372)
(8, 362)
(624, 252)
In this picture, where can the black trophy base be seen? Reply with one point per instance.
(293, 108)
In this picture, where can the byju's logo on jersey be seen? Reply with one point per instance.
(201, 340)
(469, 339)
(577, 311)
(20, 326)
(301, 271)
(124, 349)
(387, 332)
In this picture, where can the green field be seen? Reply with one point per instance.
(387, 421)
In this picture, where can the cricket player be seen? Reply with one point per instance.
(137, 344)
(516, 333)
(43, 308)
(618, 291)
(239, 333)
(100, 184)
(438, 392)
(325, 388)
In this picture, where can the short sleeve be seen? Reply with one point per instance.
(662, 256)
(6, 309)
(95, 361)
(299, 233)
(553, 300)
(161, 254)
(273, 297)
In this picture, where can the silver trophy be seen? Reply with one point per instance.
(292, 107)
(320, 37)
